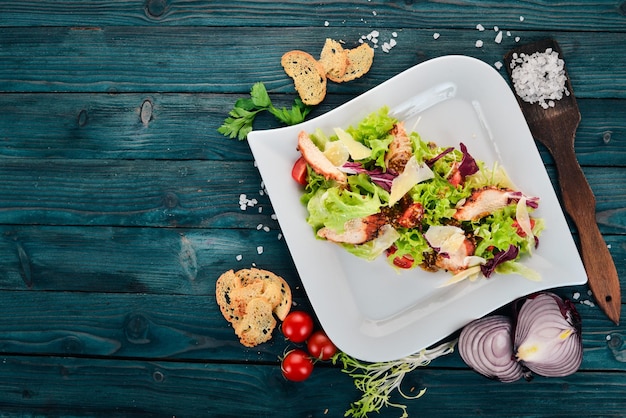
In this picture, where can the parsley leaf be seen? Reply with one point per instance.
(240, 119)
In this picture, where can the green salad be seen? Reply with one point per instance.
(377, 190)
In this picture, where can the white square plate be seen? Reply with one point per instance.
(368, 309)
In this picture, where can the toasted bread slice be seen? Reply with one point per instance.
(224, 285)
(258, 323)
(361, 59)
(308, 75)
(275, 289)
(334, 59)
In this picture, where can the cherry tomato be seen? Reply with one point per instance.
(297, 365)
(298, 172)
(404, 262)
(320, 346)
(297, 326)
(520, 231)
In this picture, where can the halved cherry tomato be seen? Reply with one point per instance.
(404, 262)
(320, 346)
(297, 326)
(520, 231)
(298, 172)
(297, 365)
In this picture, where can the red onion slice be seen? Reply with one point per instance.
(548, 336)
(486, 346)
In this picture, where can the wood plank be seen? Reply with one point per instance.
(184, 126)
(110, 59)
(150, 260)
(131, 193)
(147, 260)
(60, 386)
(588, 15)
(161, 326)
(178, 193)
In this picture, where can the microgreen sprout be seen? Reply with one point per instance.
(377, 381)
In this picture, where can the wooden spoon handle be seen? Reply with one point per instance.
(580, 203)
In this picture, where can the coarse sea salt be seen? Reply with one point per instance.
(539, 77)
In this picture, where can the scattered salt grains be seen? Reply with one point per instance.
(436, 35)
(245, 203)
(498, 38)
(239, 257)
(576, 295)
(539, 77)
(498, 65)
(496, 29)
(480, 27)
(521, 18)
(479, 43)
(517, 39)
(326, 23)
(259, 249)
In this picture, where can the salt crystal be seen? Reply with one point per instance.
(273, 216)
(326, 23)
(498, 37)
(576, 295)
(498, 65)
(508, 33)
(392, 43)
(259, 249)
(238, 257)
(480, 27)
(521, 18)
(479, 43)
(436, 35)
(517, 38)
(374, 12)
(394, 34)
(279, 236)
(266, 228)
(496, 29)
(259, 226)
(539, 77)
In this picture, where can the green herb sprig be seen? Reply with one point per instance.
(377, 381)
(239, 122)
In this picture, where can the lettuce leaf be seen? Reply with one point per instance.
(333, 207)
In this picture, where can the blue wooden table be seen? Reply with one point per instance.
(119, 200)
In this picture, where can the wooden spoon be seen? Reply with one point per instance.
(555, 127)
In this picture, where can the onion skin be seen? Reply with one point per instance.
(486, 346)
(548, 336)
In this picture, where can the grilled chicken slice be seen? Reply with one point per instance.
(400, 149)
(317, 160)
(456, 261)
(356, 231)
(483, 202)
